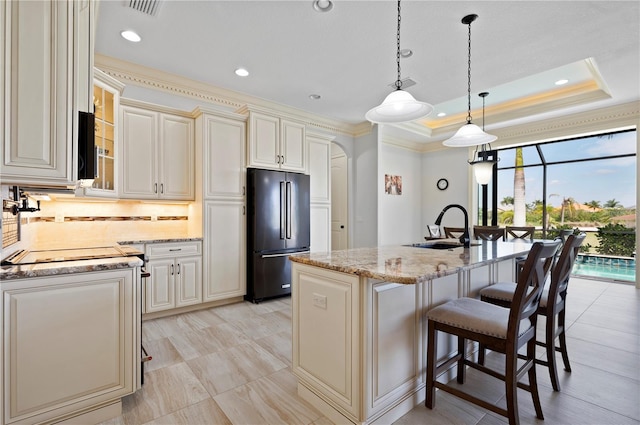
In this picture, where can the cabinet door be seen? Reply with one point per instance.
(320, 228)
(264, 141)
(293, 154)
(319, 168)
(188, 280)
(224, 146)
(224, 250)
(38, 96)
(138, 142)
(69, 344)
(176, 178)
(160, 289)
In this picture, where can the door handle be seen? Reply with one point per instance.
(288, 210)
(161, 187)
(155, 188)
(283, 212)
(172, 270)
(178, 268)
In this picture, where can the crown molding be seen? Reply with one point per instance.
(612, 118)
(124, 101)
(174, 84)
(403, 144)
(201, 110)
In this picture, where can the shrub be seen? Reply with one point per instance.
(616, 239)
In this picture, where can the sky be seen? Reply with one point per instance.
(600, 180)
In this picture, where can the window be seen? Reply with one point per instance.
(587, 183)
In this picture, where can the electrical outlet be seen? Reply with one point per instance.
(59, 218)
(320, 300)
(154, 218)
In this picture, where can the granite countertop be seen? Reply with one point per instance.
(410, 265)
(166, 240)
(67, 267)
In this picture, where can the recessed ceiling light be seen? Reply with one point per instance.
(130, 36)
(322, 5)
(314, 96)
(241, 72)
(406, 53)
(442, 114)
(561, 82)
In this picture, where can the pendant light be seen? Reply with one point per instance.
(482, 165)
(469, 134)
(399, 106)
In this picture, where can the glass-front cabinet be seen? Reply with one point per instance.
(106, 100)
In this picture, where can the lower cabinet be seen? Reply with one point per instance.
(224, 250)
(70, 344)
(176, 275)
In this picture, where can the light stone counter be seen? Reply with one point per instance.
(410, 265)
(67, 267)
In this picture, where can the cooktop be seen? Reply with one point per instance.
(69, 254)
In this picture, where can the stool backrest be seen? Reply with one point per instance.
(453, 232)
(488, 233)
(526, 298)
(520, 232)
(562, 270)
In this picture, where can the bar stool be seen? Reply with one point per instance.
(453, 232)
(502, 294)
(488, 233)
(520, 232)
(502, 329)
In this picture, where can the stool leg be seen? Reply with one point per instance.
(432, 350)
(511, 386)
(462, 355)
(563, 342)
(481, 353)
(533, 380)
(550, 346)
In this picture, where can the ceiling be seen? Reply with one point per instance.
(348, 55)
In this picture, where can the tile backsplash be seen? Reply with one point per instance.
(74, 222)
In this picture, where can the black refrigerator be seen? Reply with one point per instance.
(277, 226)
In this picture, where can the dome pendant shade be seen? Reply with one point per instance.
(399, 106)
(469, 135)
(483, 170)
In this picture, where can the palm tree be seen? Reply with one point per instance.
(612, 203)
(507, 200)
(567, 204)
(519, 205)
(594, 205)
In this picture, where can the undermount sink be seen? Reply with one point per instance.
(435, 245)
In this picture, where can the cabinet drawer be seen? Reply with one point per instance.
(173, 249)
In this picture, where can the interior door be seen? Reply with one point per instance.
(339, 196)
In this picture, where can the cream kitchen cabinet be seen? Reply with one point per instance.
(319, 160)
(71, 345)
(106, 101)
(46, 64)
(276, 143)
(225, 256)
(157, 150)
(220, 195)
(176, 275)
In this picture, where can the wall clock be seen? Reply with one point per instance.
(442, 184)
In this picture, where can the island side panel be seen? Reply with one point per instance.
(325, 339)
(393, 340)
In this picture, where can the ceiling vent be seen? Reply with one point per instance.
(150, 7)
(406, 83)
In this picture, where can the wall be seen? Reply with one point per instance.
(400, 216)
(365, 197)
(452, 165)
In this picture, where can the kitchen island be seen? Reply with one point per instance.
(358, 330)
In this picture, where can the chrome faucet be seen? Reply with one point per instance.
(464, 239)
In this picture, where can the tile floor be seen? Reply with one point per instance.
(232, 365)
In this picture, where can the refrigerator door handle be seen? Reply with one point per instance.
(283, 210)
(288, 210)
(286, 254)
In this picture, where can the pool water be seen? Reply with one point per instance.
(605, 267)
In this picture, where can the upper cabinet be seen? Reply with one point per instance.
(276, 143)
(46, 67)
(106, 102)
(157, 154)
